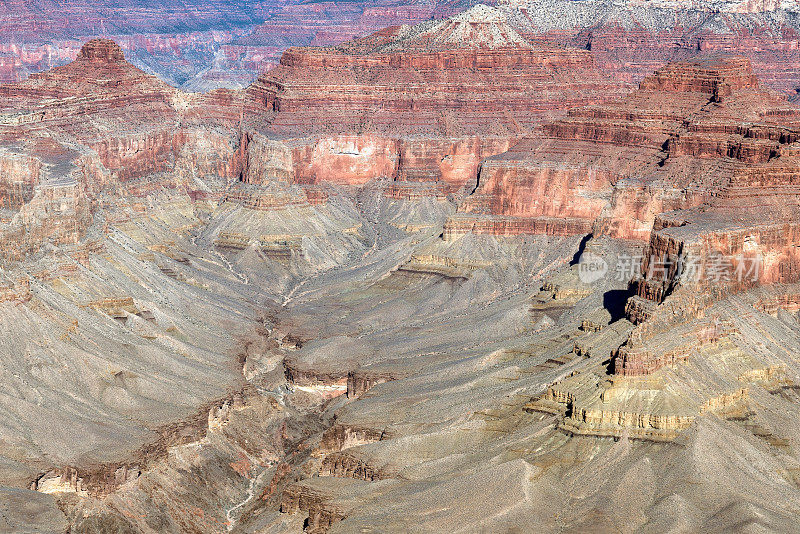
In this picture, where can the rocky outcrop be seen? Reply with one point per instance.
(98, 79)
(352, 159)
(321, 514)
(651, 389)
(614, 167)
(346, 465)
(304, 376)
(719, 77)
(19, 174)
(361, 381)
(340, 437)
(448, 98)
(99, 124)
(101, 51)
(633, 359)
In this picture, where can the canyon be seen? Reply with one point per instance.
(463, 275)
(632, 39)
(199, 46)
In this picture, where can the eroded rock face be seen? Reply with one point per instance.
(219, 44)
(725, 164)
(257, 323)
(101, 51)
(451, 93)
(615, 166)
(718, 76)
(632, 39)
(87, 126)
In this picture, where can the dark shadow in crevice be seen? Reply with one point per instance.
(576, 258)
(609, 366)
(614, 301)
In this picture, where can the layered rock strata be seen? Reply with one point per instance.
(696, 132)
(451, 93)
(632, 39)
(324, 327)
(199, 46)
(81, 130)
(727, 228)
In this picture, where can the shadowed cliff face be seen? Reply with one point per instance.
(398, 285)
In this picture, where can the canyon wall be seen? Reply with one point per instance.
(449, 97)
(200, 46)
(694, 132)
(632, 39)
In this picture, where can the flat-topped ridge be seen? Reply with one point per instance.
(715, 75)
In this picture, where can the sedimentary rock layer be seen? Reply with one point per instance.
(632, 39)
(699, 131)
(199, 46)
(416, 104)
